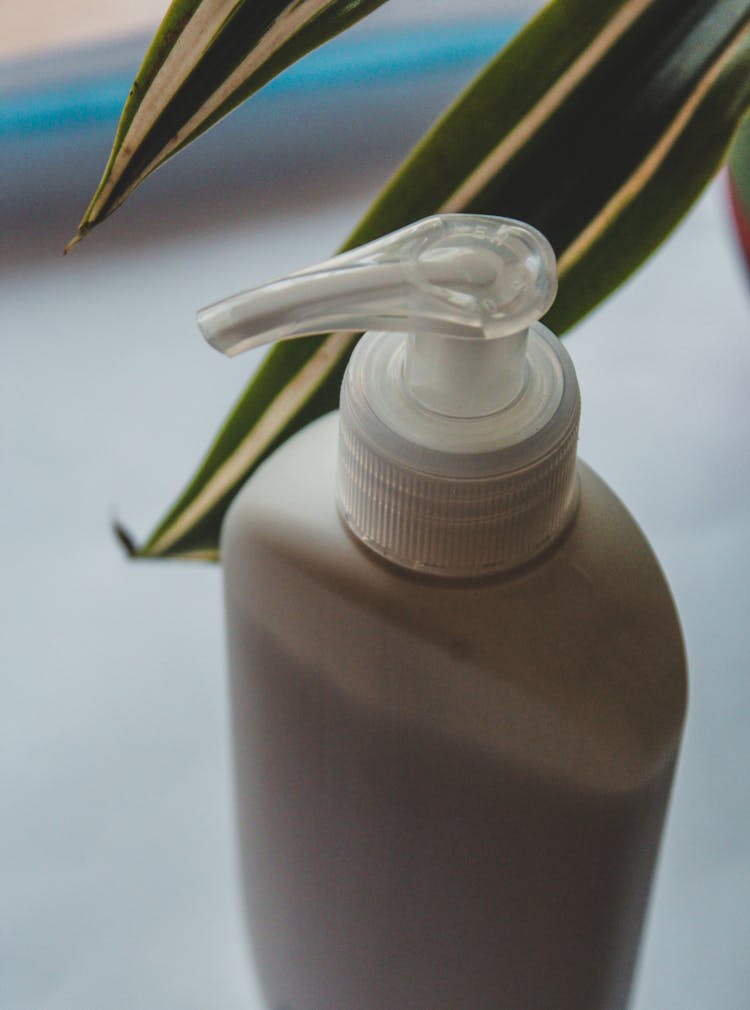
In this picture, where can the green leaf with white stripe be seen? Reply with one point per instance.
(599, 124)
(206, 58)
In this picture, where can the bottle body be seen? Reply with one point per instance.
(450, 793)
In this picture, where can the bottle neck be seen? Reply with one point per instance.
(465, 378)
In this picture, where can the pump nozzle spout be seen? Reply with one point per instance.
(459, 275)
(450, 278)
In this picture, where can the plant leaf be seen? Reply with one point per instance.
(600, 124)
(739, 187)
(207, 57)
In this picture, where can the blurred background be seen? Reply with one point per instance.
(118, 880)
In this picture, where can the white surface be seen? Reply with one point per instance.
(116, 852)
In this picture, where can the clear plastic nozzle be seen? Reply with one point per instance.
(464, 288)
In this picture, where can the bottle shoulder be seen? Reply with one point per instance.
(583, 645)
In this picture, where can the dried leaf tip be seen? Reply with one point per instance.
(74, 241)
(126, 539)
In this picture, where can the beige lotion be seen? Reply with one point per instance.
(458, 679)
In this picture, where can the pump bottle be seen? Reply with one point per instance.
(458, 680)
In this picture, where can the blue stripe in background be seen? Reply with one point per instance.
(98, 97)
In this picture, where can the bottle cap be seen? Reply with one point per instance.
(459, 410)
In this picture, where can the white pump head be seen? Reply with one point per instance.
(459, 422)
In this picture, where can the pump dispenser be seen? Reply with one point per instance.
(459, 424)
(455, 730)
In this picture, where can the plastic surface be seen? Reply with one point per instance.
(450, 793)
(455, 276)
(458, 424)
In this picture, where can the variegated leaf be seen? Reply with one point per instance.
(600, 124)
(206, 58)
(739, 187)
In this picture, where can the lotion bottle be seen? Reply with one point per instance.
(458, 680)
